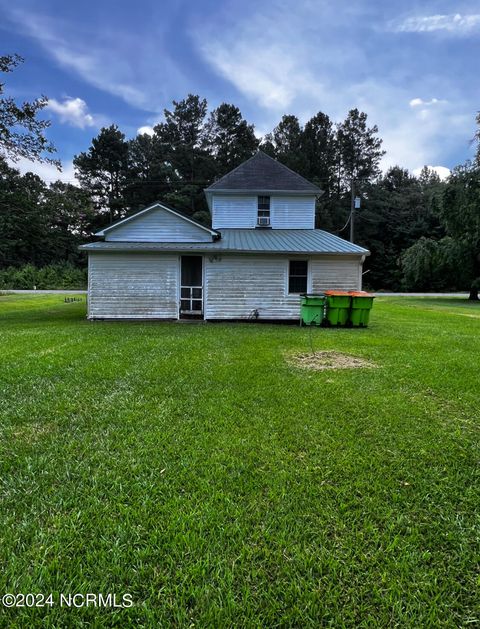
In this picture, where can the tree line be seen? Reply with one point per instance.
(423, 234)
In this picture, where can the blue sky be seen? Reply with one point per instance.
(411, 65)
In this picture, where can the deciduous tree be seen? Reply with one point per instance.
(460, 212)
(22, 133)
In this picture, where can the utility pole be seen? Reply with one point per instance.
(352, 209)
(354, 205)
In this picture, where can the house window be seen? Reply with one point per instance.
(263, 219)
(297, 276)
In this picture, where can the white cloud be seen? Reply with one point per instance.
(264, 58)
(442, 171)
(421, 134)
(260, 133)
(47, 172)
(283, 73)
(418, 102)
(453, 23)
(146, 129)
(73, 111)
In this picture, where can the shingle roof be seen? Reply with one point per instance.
(291, 241)
(263, 173)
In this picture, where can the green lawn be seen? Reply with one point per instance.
(192, 467)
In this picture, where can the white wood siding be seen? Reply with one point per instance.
(145, 285)
(158, 225)
(241, 211)
(234, 211)
(236, 285)
(292, 212)
(336, 272)
(132, 286)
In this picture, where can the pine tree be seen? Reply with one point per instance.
(359, 149)
(103, 171)
(229, 138)
(182, 137)
(285, 144)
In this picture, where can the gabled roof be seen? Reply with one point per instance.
(262, 173)
(157, 204)
(268, 241)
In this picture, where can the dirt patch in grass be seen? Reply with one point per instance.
(30, 433)
(320, 361)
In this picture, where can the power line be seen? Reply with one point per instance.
(344, 227)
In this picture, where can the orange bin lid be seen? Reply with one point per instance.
(360, 293)
(343, 293)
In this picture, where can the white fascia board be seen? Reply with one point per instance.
(260, 191)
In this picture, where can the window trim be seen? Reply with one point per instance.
(308, 276)
(264, 212)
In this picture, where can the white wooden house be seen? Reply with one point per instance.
(260, 254)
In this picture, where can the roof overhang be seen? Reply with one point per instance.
(247, 241)
(204, 248)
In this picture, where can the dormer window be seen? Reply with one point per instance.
(263, 217)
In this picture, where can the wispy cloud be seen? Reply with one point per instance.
(268, 74)
(74, 111)
(270, 58)
(282, 74)
(262, 55)
(88, 65)
(454, 23)
(99, 56)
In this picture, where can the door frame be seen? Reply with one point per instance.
(200, 315)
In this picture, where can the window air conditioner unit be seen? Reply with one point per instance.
(264, 221)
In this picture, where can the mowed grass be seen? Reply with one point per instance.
(192, 467)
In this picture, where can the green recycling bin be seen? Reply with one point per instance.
(338, 307)
(362, 303)
(312, 309)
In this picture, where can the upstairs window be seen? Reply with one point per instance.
(297, 276)
(263, 219)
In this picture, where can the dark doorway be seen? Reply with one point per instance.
(191, 287)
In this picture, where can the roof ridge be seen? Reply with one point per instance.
(275, 172)
(230, 172)
(277, 161)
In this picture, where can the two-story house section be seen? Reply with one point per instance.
(261, 253)
(262, 193)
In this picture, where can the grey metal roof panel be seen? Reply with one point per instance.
(248, 241)
(263, 173)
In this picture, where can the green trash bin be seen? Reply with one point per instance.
(338, 307)
(362, 303)
(312, 309)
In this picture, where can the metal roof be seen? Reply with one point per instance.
(292, 241)
(263, 173)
